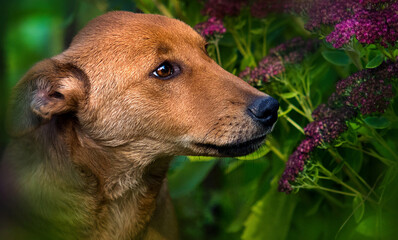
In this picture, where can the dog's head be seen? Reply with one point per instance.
(130, 78)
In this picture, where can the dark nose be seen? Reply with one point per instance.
(264, 110)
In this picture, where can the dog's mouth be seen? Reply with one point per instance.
(234, 149)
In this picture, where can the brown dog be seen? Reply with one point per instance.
(94, 128)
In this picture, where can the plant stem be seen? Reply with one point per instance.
(264, 52)
(386, 53)
(293, 107)
(316, 186)
(385, 161)
(276, 151)
(331, 198)
(381, 141)
(337, 180)
(162, 8)
(357, 176)
(291, 121)
(354, 56)
(237, 42)
(249, 35)
(349, 171)
(307, 110)
(218, 51)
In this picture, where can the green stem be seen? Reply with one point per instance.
(381, 141)
(307, 110)
(386, 53)
(294, 107)
(354, 56)
(291, 121)
(265, 39)
(162, 8)
(316, 186)
(385, 161)
(352, 174)
(218, 51)
(249, 35)
(276, 151)
(331, 198)
(337, 180)
(237, 42)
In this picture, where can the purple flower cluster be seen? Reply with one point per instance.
(368, 91)
(369, 21)
(290, 52)
(261, 8)
(325, 12)
(267, 68)
(211, 27)
(365, 92)
(323, 130)
(222, 8)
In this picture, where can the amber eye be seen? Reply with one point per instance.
(165, 70)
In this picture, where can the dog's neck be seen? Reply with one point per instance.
(121, 198)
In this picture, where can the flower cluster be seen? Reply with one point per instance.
(212, 27)
(222, 8)
(369, 21)
(290, 52)
(261, 8)
(325, 12)
(318, 132)
(366, 92)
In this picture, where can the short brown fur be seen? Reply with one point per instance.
(94, 132)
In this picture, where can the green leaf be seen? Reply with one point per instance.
(358, 208)
(257, 31)
(270, 217)
(200, 158)
(368, 227)
(377, 122)
(188, 176)
(376, 61)
(248, 61)
(240, 24)
(289, 95)
(261, 152)
(378, 226)
(339, 58)
(395, 53)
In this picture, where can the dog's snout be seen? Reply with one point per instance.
(264, 110)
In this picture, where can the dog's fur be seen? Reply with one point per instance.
(94, 130)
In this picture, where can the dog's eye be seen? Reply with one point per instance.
(164, 71)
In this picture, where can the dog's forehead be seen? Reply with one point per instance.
(127, 28)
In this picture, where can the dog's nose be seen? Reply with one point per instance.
(264, 110)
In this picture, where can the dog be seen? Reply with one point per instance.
(94, 128)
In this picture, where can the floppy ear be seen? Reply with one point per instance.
(49, 88)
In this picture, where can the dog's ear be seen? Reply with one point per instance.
(49, 88)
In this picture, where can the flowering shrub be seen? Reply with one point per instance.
(333, 155)
(210, 28)
(363, 93)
